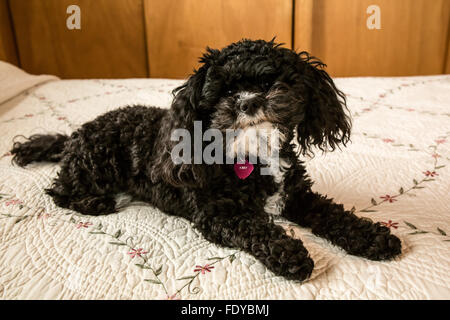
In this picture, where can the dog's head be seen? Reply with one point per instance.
(253, 84)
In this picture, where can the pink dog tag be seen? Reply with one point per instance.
(243, 170)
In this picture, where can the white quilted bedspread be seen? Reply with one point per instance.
(396, 170)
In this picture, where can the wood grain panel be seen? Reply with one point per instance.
(110, 44)
(447, 63)
(178, 31)
(8, 50)
(303, 24)
(411, 41)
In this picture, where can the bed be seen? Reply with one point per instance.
(396, 170)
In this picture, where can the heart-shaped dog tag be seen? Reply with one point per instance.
(243, 170)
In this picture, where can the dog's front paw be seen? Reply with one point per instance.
(377, 243)
(289, 258)
(384, 247)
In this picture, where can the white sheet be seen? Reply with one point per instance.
(401, 137)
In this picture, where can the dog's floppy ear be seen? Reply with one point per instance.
(195, 93)
(185, 109)
(325, 123)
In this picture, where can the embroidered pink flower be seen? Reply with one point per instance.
(203, 269)
(387, 140)
(83, 225)
(388, 198)
(44, 216)
(173, 297)
(435, 155)
(429, 173)
(137, 252)
(440, 141)
(13, 202)
(108, 92)
(367, 109)
(410, 109)
(390, 224)
(28, 115)
(62, 118)
(382, 95)
(41, 98)
(73, 100)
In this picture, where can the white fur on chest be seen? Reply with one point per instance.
(275, 203)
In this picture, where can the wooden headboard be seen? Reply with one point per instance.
(164, 38)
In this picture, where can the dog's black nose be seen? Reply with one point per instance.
(251, 105)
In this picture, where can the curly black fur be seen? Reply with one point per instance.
(128, 150)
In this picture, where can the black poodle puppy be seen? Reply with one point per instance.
(249, 84)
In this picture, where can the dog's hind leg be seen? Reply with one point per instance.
(85, 204)
(94, 205)
(74, 189)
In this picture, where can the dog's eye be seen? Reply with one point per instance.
(230, 92)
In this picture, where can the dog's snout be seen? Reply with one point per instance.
(251, 105)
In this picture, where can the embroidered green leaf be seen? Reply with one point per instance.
(72, 220)
(117, 234)
(415, 181)
(440, 167)
(153, 281)
(373, 201)
(401, 190)
(187, 278)
(20, 219)
(215, 258)
(232, 258)
(100, 226)
(441, 231)
(20, 206)
(418, 187)
(96, 232)
(398, 145)
(410, 194)
(368, 210)
(411, 145)
(142, 266)
(418, 232)
(117, 243)
(158, 271)
(429, 179)
(410, 225)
